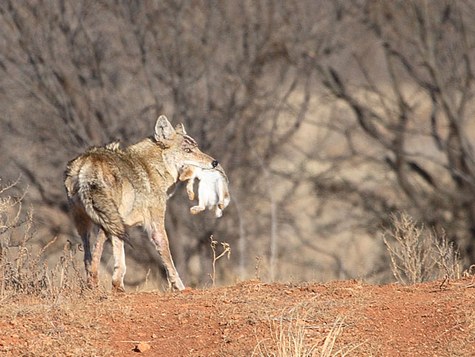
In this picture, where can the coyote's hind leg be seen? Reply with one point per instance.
(96, 257)
(119, 264)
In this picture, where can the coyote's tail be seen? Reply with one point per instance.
(103, 211)
(96, 200)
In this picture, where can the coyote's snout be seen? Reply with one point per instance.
(110, 188)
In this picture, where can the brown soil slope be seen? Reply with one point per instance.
(250, 318)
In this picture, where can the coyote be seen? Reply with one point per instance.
(213, 192)
(110, 188)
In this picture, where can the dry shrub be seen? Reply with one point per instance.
(23, 267)
(293, 335)
(418, 254)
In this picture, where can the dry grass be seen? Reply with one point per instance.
(47, 310)
(42, 304)
(418, 255)
(23, 267)
(299, 333)
(288, 338)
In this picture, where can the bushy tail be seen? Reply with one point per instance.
(102, 210)
(81, 184)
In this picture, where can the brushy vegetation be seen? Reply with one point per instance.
(418, 254)
(290, 336)
(415, 254)
(23, 266)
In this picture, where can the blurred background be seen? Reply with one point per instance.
(328, 117)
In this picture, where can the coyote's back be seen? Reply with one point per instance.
(111, 188)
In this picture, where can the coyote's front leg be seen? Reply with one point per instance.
(159, 238)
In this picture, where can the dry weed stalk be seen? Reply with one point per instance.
(226, 250)
(23, 268)
(10, 208)
(290, 336)
(14, 255)
(257, 268)
(26, 272)
(66, 278)
(328, 349)
(145, 283)
(419, 255)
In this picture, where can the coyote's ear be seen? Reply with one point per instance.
(180, 129)
(164, 131)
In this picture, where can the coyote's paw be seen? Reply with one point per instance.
(118, 288)
(196, 209)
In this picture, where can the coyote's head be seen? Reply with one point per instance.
(180, 149)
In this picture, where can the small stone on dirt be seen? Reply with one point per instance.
(142, 347)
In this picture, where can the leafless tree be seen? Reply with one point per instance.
(409, 96)
(327, 116)
(81, 73)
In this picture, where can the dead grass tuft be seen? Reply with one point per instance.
(23, 267)
(298, 333)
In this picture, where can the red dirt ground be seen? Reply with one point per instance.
(250, 318)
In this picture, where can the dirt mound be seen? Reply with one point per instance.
(250, 318)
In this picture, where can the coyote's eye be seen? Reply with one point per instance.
(188, 150)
